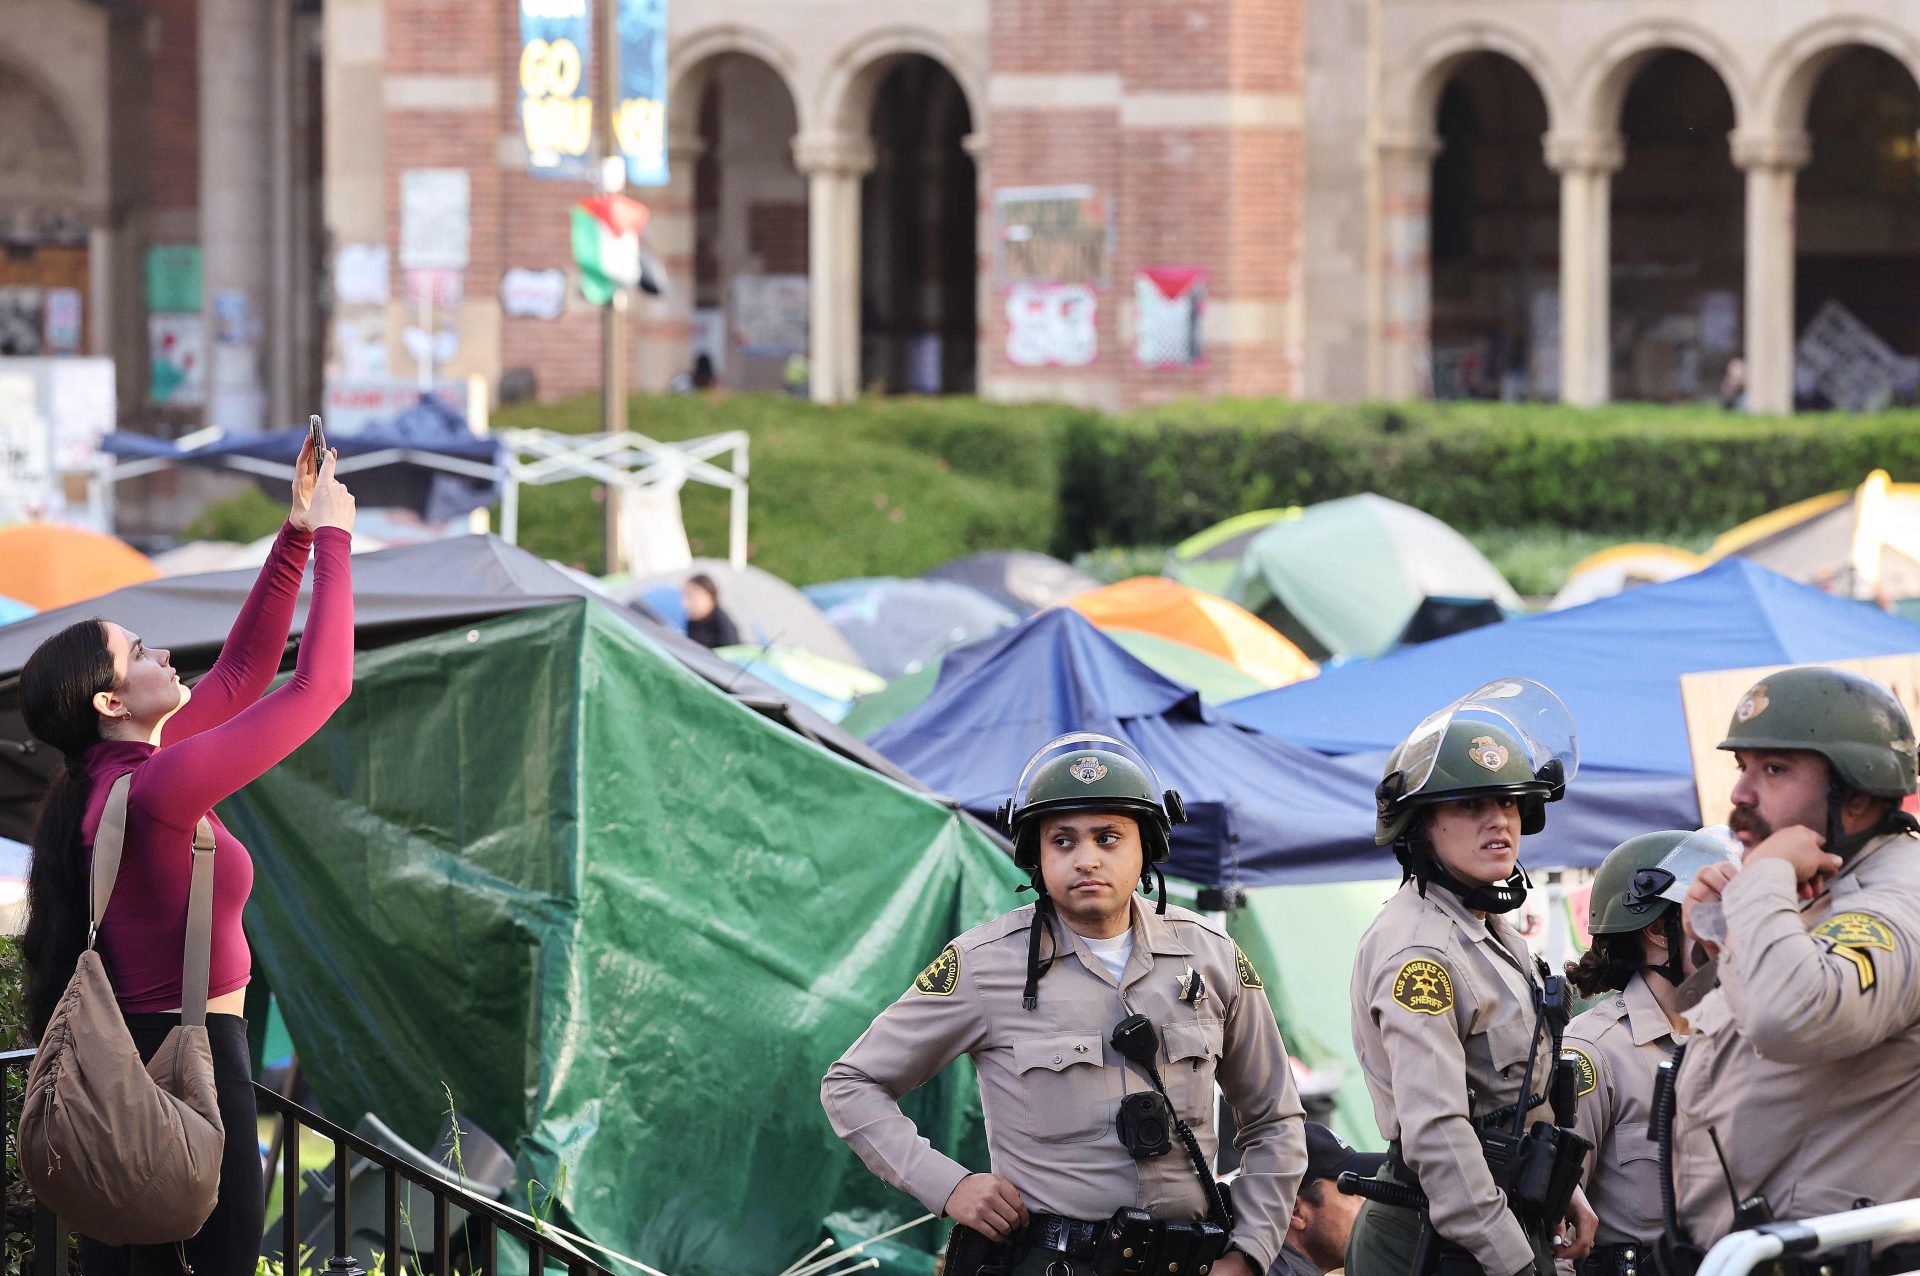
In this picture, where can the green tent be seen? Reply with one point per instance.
(1207, 559)
(625, 921)
(1215, 679)
(1346, 577)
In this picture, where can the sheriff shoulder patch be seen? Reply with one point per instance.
(1423, 987)
(1249, 977)
(1588, 1079)
(1851, 935)
(942, 976)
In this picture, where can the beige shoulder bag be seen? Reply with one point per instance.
(126, 1153)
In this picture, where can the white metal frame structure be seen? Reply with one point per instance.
(1740, 1253)
(631, 462)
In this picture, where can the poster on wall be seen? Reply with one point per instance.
(1051, 235)
(533, 294)
(173, 278)
(1052, 326)
(360, 275)
(556, 93)
(1169, 305)
(63, 319)
(434, 218)
(770, 315)
(20, 321)
(640, 117)
(176, 360)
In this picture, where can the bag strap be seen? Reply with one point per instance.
(196, 961)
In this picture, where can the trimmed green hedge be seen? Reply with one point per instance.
(1161, 474)
(895, 486)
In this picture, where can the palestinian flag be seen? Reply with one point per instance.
(606, 244)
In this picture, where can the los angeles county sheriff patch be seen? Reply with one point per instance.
(941, 977)
(1423, 987)
(1851, 935)
(1583, 1064)
(1249, 977)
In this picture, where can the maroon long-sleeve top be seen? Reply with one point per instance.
(229, 734)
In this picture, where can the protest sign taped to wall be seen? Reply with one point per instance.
(1052, 235)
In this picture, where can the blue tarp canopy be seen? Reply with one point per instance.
(1262, 812)
(1617, 664)
(425, 459)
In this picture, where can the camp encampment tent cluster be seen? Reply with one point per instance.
(690, 876)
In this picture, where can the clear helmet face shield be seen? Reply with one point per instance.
(1669, 879)
(1519, 708)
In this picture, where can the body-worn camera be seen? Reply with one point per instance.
(1145, 1126)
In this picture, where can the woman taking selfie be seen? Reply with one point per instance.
(113, 706)
(1454, 1021)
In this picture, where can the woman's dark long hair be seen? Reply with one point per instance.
(57, 687)
(1608, 966)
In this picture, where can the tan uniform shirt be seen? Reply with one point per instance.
(1436, 1013)
(1806, 1058)
(1618, 1047)
(1051, 1084)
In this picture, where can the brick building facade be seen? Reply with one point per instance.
(1111, 202)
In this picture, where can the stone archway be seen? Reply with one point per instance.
(919, 331)
(1678, 217)
(1494, 236)
(44, 223)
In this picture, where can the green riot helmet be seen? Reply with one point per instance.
(1853, 721)
(1084, 771)
(1512, 736)
(1644, 877)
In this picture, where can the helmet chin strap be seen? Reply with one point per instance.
(1496, 897)
(1672, 968)
(1844, 844)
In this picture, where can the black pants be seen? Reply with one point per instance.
(229, 1243)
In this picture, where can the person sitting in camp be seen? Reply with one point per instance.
(112, 706)
(707, 624)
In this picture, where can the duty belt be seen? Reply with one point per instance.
(1629, 1258)
(1073, 1237)
(1131, 1243)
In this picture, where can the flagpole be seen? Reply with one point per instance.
(613, 369)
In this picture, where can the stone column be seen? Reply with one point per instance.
(1403, 336)
(980, 146)
(833, 163)
(1772, 161)
(666, 323)
(1586, 164)
(236, 168)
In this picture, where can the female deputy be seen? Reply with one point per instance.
(1619, 1044)
(101, 696)
(1453, 1019)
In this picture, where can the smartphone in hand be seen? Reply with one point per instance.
(318, 433)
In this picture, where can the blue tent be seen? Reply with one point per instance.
(1617, 664)
(1262, 812)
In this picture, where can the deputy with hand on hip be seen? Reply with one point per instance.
(1099, 1026)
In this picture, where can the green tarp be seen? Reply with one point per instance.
(624, 920)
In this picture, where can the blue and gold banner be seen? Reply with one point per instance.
(556, 97)
(640, 116)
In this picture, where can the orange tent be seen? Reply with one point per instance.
(51, 564)
(1157, 605)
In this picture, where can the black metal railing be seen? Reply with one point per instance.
(485, 1219)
